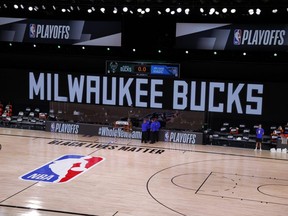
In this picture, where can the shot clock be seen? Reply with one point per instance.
(142, 68)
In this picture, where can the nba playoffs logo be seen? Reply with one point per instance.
(62, 169)
(52, 129)
(237, 36)
(32, 31)
(166, 136)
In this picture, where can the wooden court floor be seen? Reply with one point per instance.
(101, 176)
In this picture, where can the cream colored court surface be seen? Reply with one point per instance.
(124, 177)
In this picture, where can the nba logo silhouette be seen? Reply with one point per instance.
(237, 37)
(62, 169)
(166, 136)
(32, 30)
(52, 129)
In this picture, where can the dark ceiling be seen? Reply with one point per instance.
(159, 31)
(79, 9)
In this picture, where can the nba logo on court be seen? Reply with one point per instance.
(237, 36)
(62, 169)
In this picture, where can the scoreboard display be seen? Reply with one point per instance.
(143, 68)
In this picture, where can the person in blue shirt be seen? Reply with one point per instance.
(145, 127)
(158, 126)
(153, 131)
(259, 137)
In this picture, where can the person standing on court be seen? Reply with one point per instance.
(158, 126)
(259, 137)
(153, 131)
(145, 127)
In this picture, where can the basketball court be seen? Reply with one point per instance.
(124, 177)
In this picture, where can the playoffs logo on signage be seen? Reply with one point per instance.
(32, 30)
(62, 169)
(167, 136)
(237, 37)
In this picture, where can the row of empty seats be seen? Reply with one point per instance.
(29, 118)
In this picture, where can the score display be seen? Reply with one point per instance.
(143, 68)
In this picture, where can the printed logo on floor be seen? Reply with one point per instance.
(62, 169)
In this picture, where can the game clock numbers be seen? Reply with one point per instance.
(143, 68)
